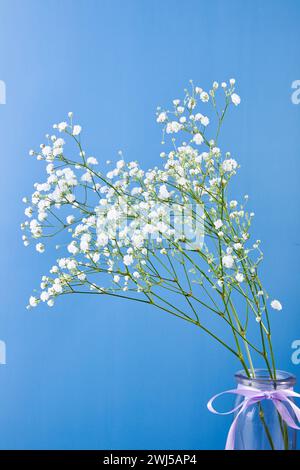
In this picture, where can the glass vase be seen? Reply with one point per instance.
(260, 426)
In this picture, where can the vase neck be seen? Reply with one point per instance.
(263, 381)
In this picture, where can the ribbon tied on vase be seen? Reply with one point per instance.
(280, 399)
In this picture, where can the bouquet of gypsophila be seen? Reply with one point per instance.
(150, 236)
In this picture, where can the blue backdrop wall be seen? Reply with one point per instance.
(101, 373)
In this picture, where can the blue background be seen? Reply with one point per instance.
(99, 373)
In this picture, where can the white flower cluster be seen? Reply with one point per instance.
(116, 228)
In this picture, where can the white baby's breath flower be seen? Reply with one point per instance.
(173, 127)
(276, 305)
(191, 103)
(96, 257)
(57, 287)
(204, 121)
(229, 165)
(204, 96)
(71, 264)
(76, 129)
(44, 296)
(102, 239)
(218, 224)
(62, 126)
(58, 142)
(237, 246)
(87, 177)
(85, 242)
(40, 247)
(163, 192)
(128, 260)
(46, 151)
(136, 275)
(162, 117)
(137, 240)
(235, 99)
(70, 219)
(92, 161)
(120, 164)
(57, 151)
(62, 263)
(198, 139)
(239, 277)
(33, 301)
(28, 211)
(72, 248)
(50, 168)
(216, 151)
(228, 261)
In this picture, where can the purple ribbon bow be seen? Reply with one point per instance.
(254, 395)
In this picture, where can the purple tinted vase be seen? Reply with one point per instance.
(260, 426)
